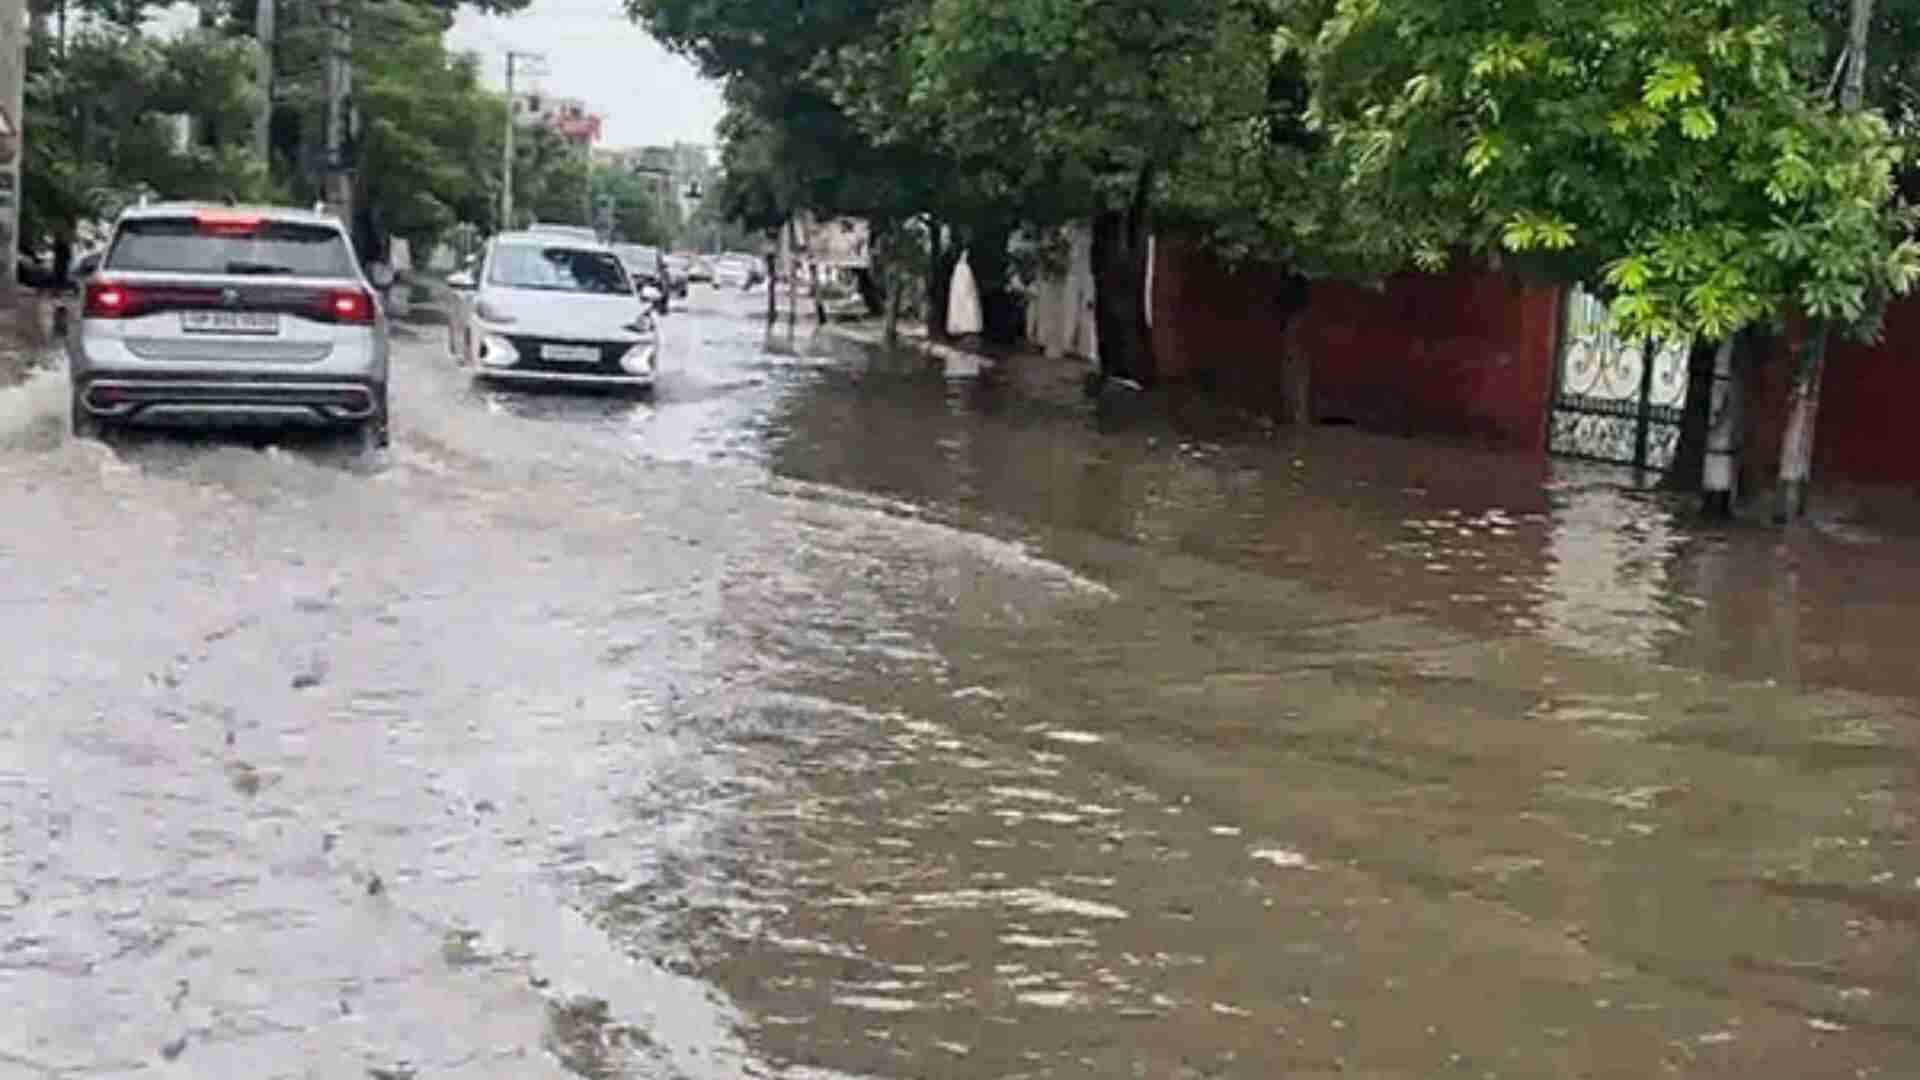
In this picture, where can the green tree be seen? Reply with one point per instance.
(792, 143)
(429, 147)
(1690, 159)
(640, 213)
(106, 120)
(1111, 111)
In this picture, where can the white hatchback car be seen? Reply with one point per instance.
(201, 312)
(552, 308)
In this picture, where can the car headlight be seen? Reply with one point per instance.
(496, 351)
(640, 359)
(490, 312)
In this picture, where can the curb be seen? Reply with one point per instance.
(959, 363)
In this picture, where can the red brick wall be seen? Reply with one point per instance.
(1465, 355)
(1866, 431)
(1861, 435)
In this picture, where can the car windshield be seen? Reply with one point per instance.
(558, 268)
(191, 246)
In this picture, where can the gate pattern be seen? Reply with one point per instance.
(1612, 402)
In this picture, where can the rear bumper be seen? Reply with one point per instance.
(145, 397)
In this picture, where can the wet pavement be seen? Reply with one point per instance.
(823, 716)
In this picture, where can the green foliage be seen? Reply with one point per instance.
(641, 213)
(103, 120)
(1683, 155)
(429, 148)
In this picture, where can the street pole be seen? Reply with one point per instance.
(339, 87)
(506, 160)
(263, 124)
(13, 71)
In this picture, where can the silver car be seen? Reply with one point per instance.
(203, 313)
(548, 308)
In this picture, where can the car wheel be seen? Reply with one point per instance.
(86, 426)
(375, 433)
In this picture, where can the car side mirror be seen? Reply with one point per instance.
(462, 281)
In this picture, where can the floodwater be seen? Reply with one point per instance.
(824, 716)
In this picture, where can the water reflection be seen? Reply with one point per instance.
(1323, 752)
(1494, 543)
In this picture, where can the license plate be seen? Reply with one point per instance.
(570, 354)
(230, 322)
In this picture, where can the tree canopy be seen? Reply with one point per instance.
(1688, 157)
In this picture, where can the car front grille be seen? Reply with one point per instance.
(529, 348)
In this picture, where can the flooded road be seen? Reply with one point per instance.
(825, 717)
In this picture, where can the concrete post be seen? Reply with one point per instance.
(13, 73)
(263, 124)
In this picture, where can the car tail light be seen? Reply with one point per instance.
(226, 222)
(111, 300)
(354, 306)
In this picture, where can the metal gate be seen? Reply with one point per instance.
(1610, 403)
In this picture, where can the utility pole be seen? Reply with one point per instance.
(13, 71)
(263, 124)
(339, 89)
(506, 164)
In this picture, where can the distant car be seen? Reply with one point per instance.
(733, 274)
(737, 271)
(221, 312)
(699, 269)
(548, 308)
(648, 268)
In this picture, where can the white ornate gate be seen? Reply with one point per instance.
(1611, 403)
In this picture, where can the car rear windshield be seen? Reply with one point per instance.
(558, 269)
(191, 246)
(645, 258)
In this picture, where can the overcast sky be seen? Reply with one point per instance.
(647, 95)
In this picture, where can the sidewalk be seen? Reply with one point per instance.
(1056, 379)
(25, 340)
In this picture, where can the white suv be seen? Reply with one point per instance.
(206, 312)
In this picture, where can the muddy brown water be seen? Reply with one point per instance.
(822, 716)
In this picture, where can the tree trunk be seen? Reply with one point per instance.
(872, 293)
(1120, 288)
(1796, 450)
(1696, 414)
(793, 278)
(942, 259)
(773, 284)
(896, 289)
(1003, 319)
(1297, 376)
(1718, 486)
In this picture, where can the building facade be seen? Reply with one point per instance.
(569, 118)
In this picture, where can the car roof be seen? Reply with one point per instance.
(551, 239)
(580, 231)
(289, 214)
